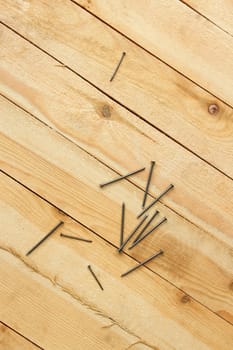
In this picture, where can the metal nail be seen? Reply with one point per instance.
(118, 66)
(147, 225)
(149, 232)
(160, 252)
(95, 277)
(132, 233)
(77, 238)
(122, 223)
(45, 237)
(156, 200)
(148, 183)
(121, 177)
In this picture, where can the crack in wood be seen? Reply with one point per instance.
(33, 268)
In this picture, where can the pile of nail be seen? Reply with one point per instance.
(141, 230)
(140, 236)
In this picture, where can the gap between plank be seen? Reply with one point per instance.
(104, 164)
(150, 53)
(208, 19)
(21, 335)
(113, 245)
(116, 101)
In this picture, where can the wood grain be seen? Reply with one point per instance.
(196, 261)
(219, 12)
(49, 291)
(143, 84)
(78, 112)
(10, 340)
(177, 35)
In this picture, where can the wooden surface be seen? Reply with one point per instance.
(9, 339)
(65, 128)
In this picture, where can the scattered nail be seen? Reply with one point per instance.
(121, 177)
(149, 232)
(77, 238)
(160, 252)
(95, 277)
(43, 239)
(148, 183)
(147, 224)
(118, 66)
(156, 200)
(132, 233)
(122, 223)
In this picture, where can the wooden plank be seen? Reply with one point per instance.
(141, 308)
(10, 340)
(219, 12)
(177, 35)
(50, 316)
(144, 84)
(69, 178)
(78, 111)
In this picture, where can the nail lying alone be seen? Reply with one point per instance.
(95, 277)
(118, 66)
(160, 252)
(45, 237)
(121, 177)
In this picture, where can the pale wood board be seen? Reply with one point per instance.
(10, 340)
(176, 34)
(68, 177)
(170, 102)
(97, 124)
(43, 290)
(219, 12)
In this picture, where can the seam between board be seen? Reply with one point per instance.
(121, 104)
(204, 16)
(151, 53)
(114, 246)
(21, 335)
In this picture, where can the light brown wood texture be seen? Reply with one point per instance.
(100, 126)
(141, 309)
(69, 178)
(10, 340)
(65, 128)
(170, 102)
(220, 12)
(176, 34)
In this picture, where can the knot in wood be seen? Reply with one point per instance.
(106, 111)
(213, 108)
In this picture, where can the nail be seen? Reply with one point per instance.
(122, 223)
(95, 277)
(145, 227)
(160, 252)
(118, 66)
(156, 200)
(122, 177)
(148, 183)
(132, 233)
(147, 234)
(45, 237)
(77, 238)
